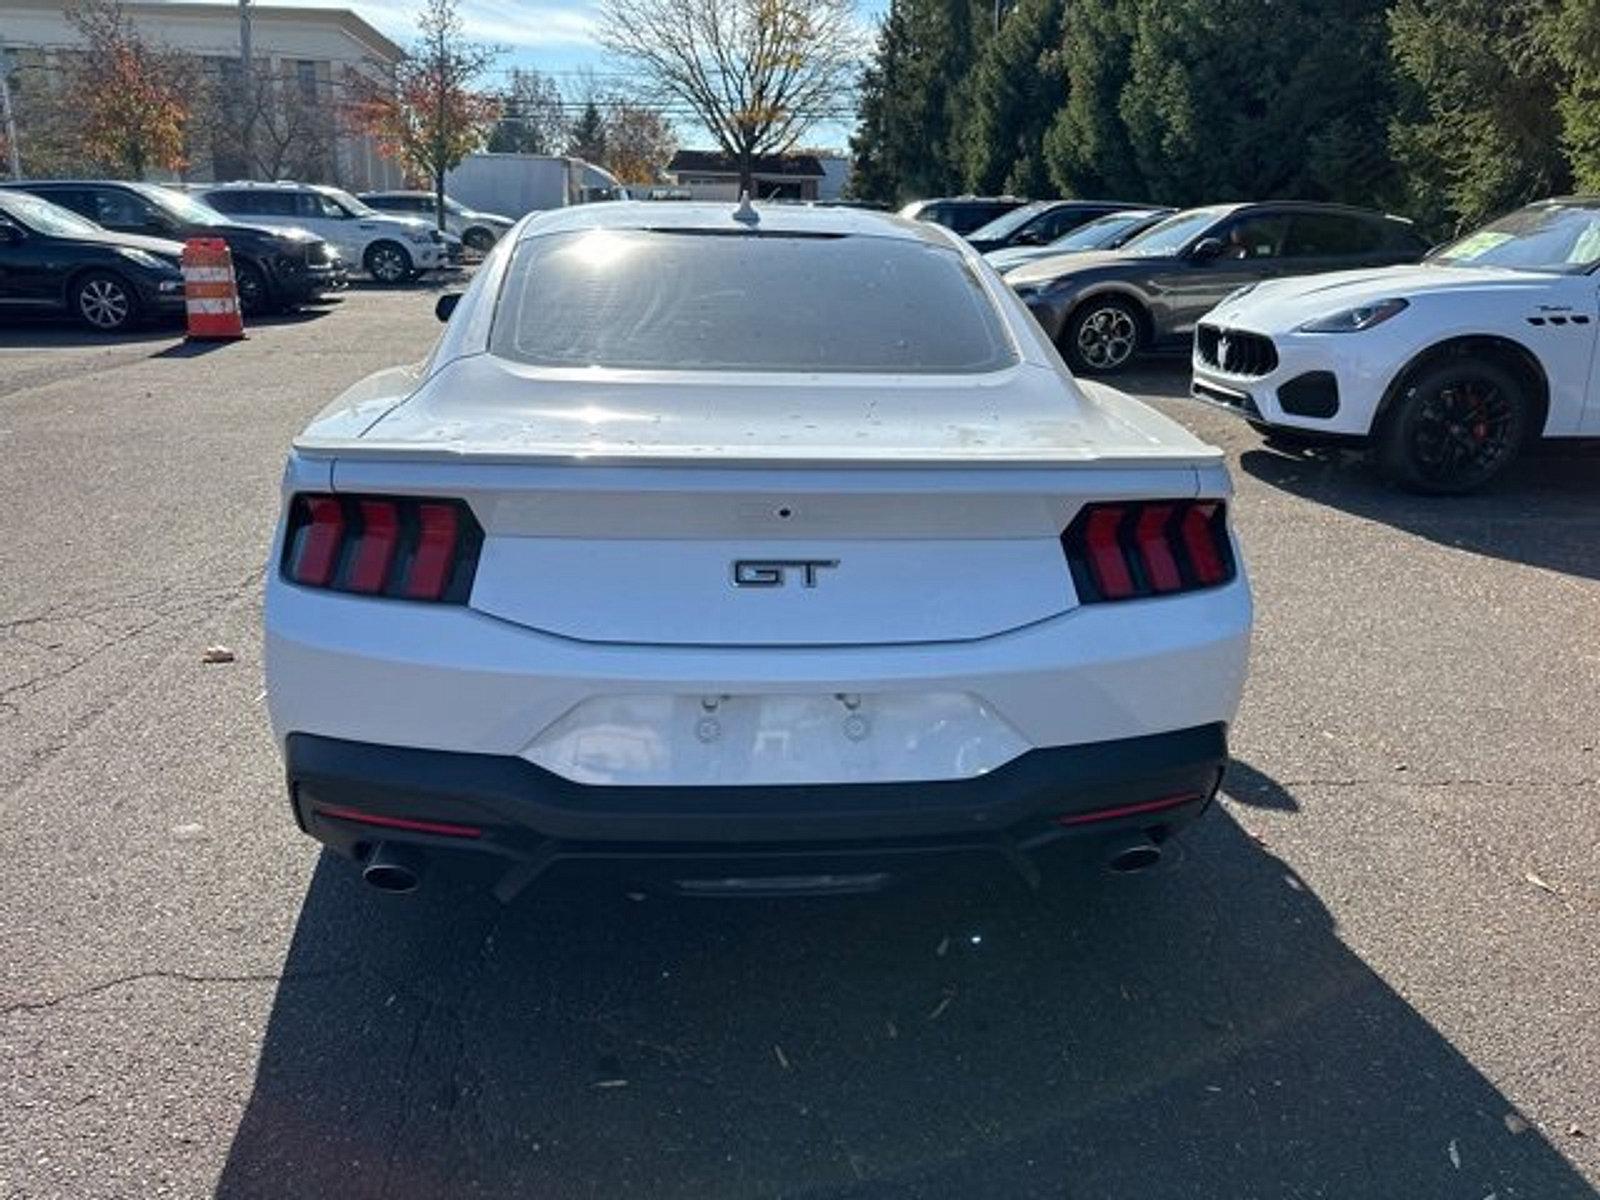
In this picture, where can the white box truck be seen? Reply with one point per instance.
(517, 184)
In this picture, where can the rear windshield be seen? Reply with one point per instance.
(694, 300)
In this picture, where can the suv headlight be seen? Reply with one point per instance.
(422, 237)
(144, 258)
(1354, 320)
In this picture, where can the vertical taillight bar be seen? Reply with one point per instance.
(316, 556)
(436, 552)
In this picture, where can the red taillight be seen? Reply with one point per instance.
(315, 555)
(1109, 568)
(398, 546)
(1199, 525)
(375, 545)
(1139, 548)
(436, 548)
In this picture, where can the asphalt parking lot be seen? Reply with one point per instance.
(1371, 975)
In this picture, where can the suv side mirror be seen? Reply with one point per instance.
(446, 304)
(1206, 248)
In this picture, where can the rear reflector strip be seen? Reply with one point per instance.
(1140, 548)
(1128, 810)
(441, 828)
(403, 547)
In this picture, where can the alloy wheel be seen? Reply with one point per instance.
(1464, 431)
(1107, 337)
(104, 303)
(388, 264)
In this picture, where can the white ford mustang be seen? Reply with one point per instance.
(766, 551)
(1450, 367)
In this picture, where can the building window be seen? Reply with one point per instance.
(306, 73)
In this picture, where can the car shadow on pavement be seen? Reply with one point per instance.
(1198, 1031)
(47, 333)
(1545, 512)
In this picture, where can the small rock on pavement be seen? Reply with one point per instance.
(217, 654)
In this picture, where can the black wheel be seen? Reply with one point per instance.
(388, 262)
(1454, 427)
(104, 301)
(479, 241)
(254, 295)
(1102, 336)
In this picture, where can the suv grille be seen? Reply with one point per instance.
(1234, 352)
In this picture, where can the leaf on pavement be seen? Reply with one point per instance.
(216, 654)
(1455, 1155)
(1541, 884)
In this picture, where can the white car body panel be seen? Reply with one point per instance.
(1443, 303)
(603, 631)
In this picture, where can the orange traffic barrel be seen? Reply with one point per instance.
(210, 294)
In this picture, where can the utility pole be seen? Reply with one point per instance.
(247, 86)
(9, 117)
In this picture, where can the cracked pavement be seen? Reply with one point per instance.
(1370, 974)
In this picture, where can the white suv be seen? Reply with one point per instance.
(632, 574)
(391, 249)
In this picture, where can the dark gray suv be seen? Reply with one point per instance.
(1101, 309)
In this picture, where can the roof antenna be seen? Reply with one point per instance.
(746, 212)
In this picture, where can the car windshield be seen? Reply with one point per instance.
(698, 300)
(348, 202)
(1173, 234)
(1563, 238)
(1102, 231)
(181, 205)
(1008, 223)
(50, 219)
(453, 206)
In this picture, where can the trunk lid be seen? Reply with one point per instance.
(741, 512)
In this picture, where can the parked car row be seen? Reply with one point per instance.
(1322, 323)
(107, 251)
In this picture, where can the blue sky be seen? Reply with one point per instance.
(555, 36)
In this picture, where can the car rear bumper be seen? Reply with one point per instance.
(791, 839)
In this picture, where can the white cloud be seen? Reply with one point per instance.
(503, 23)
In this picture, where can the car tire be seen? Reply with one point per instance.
(388, 263)
(479, 241)
(1102, 336)
(104, 301)
(1453, 427)
(255, 297)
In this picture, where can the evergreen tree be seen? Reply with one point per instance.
(1086, 149)
(1480, 130)
(911, 96)
(587, 138)
(1573, 35)
(1016, 89)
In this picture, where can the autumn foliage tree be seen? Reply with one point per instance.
(758, 74)
(427, 115)
(134, 99)
(639, 141)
